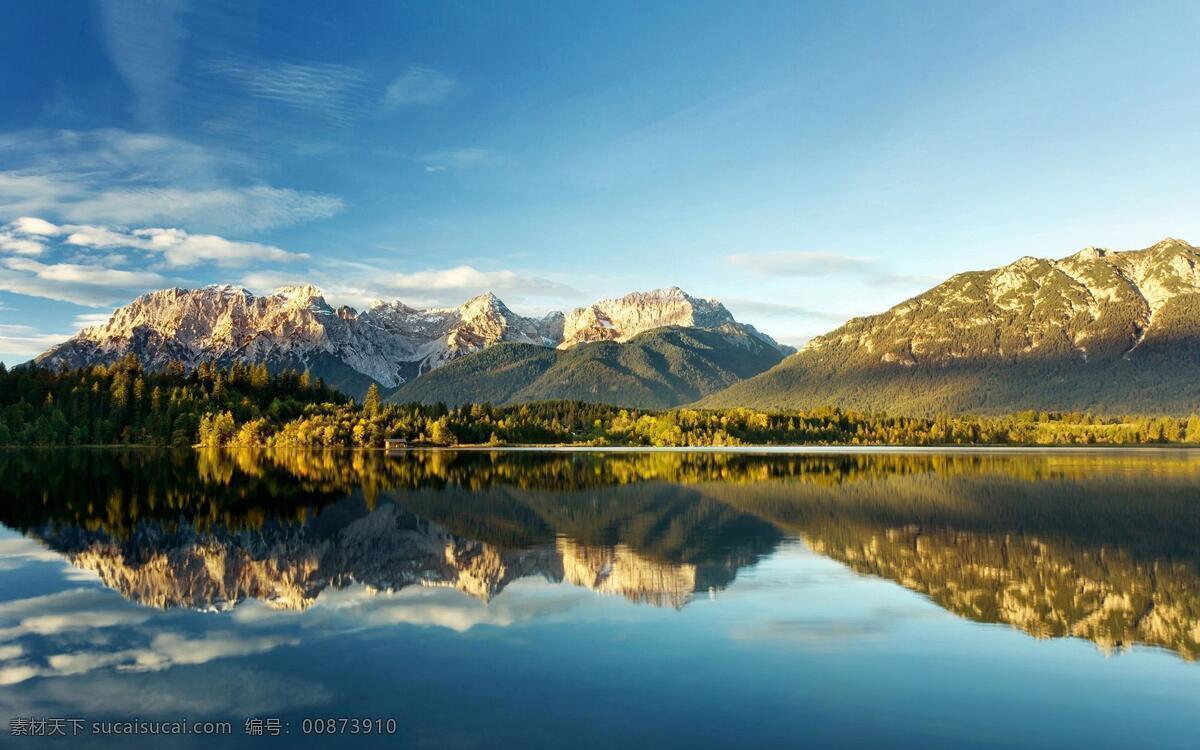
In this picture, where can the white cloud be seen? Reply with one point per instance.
(11, 675)
(26, 236)
(25, 341)
(76, 272)
(119, 177)
(461, 277)
(178, 247)
(85, 235)
(11, 243)
(418, 86)
(98, 280)
(87, 320)
(34, 226)
(80, 284)
(183, 249)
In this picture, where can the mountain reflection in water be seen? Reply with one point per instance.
(1102, 546)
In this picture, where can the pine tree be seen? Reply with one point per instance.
(372, 403)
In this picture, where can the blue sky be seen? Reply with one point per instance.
(802, 162)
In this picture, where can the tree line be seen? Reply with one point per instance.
(122, 403)
(246, 405)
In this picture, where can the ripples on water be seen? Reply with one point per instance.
(837, 570)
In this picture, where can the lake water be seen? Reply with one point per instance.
(576, 600)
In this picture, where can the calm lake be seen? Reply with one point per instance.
(575, 599)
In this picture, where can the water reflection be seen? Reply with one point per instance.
(1100, 546)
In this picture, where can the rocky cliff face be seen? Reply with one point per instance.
(1089, 331)
(389, 343)
(623, 318)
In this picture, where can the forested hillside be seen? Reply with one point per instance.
(659, 369)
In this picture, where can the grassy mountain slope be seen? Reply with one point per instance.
(658, 369)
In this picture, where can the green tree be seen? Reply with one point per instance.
(372, 404)
(440, 432)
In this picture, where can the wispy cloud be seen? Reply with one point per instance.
(779, 310)
(143, 42)
(467, 278)
(81, 638)
(11, 243)
(810, 264)
(360, 284)
(118, 177)
(81, 284)
(247, 208)
(455, 158)
(331, 90)
(26, 341)
(418, 86)
(98, 278)
(87, 320)
(178, 247)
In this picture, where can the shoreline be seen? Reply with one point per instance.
(794, 449)
(731, 449)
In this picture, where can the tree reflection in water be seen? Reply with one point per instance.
(1102, 546)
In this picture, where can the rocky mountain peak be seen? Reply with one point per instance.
(1089, 253)
(1170, 242)
(622, 318)
(299, 293)
(486, 304)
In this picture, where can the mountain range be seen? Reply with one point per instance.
(392, 344)
(1111, 332)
